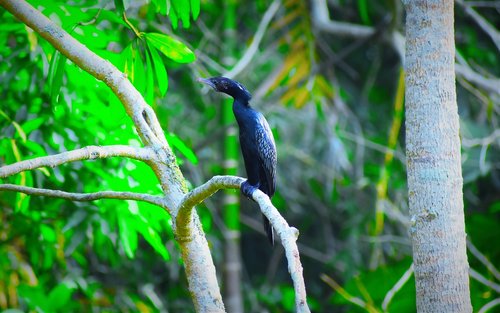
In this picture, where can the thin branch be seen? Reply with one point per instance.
(482, 22)
(344, 293)
(323, 22)
(156, 200)
(252, 49)
(482, 258)
(86, 153)
(90, 62)
(483, 280)
(399, 284)
(489, 84)
(287, 234)
(489, 305)
(321, 19)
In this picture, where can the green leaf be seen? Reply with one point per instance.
(181, 7)
(161, 6)
(128, 234)
(174, 19)
(48, 233)
(150, 82)
(33, 124)
(56, 72)
(120, 7)
(154, 240)
(19, 130)
(177, 143)
(195, 8)
(171, 48)
(160, 71)
(60, 296)
(363, 12)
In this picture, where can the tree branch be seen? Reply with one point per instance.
(159, 201)
(323, 22)
(86, 153)
(259, 34)
(140, 112)
(200, 270)
(287, 234)
(482, 22)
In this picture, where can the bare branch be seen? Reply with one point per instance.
(287, 234)
(159, 201)
(323, 22)
(482, 258)
(399, 284)
(252, 49)
(483, 280)
(489, 305)
(489, 84)
(482, 22)
(86, 153)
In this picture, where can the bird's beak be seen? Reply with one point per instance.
(206, 81)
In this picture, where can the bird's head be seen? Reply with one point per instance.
(227, 86)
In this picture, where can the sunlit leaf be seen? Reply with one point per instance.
(174, 19)
(154, 240)
(56, 72)
(48, 233)
(181, 7)
(19, 130)
(128, 235)
(139, 73)
(170, 47)
(150, 82)
(195, 8)
(178, 144)
(161, 6)
(33, 124)
(160, 71)
(60, 296)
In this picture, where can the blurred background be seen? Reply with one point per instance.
(328, 77)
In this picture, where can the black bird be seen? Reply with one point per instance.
(256, 142)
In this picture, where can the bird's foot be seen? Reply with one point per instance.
(247, 189)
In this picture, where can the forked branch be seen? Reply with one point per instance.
(287, 234)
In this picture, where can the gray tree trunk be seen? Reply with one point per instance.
(433, 159)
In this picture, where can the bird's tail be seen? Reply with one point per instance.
(269, 229)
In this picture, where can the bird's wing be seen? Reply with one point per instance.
(267, 153)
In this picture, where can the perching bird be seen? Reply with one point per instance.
(256, 141)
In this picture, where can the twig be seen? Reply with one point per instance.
(252, 49)
(397, 40)
(482, 22)
(399, 284)
(483, 280)
(323, 22)
(489, 84)
(475, 252)
(287, 234)
(346, 295)
(156, 200)
(489, 305)
(86, 153)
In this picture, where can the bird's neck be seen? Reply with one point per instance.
(242, 111)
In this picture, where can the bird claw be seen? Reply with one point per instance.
(247, 189)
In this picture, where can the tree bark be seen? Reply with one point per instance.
(433, 159)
